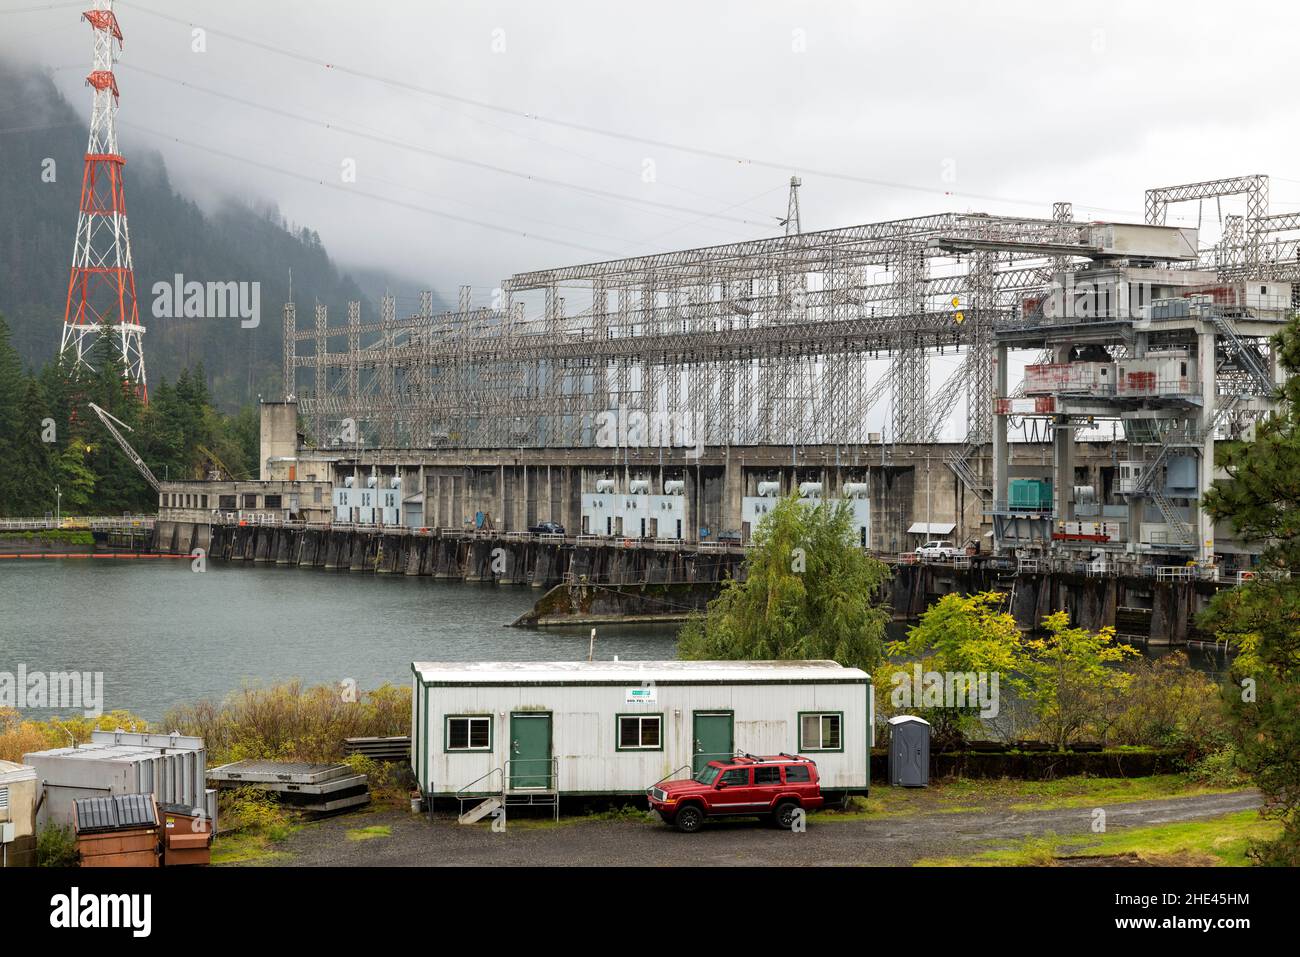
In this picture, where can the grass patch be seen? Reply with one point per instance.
(1070, 792)
(248, 847)
(1218, 842)
(369, 833)
(886, 802)
(256, 824)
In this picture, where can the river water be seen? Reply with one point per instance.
(162, 634)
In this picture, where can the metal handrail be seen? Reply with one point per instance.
(673, 773)
(552, 781)
(464, 794)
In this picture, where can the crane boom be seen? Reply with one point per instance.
(108, 419)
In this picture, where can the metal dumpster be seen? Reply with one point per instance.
(117, 831)
(186, 835)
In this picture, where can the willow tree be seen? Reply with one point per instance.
(809, 592)
(1262, 619)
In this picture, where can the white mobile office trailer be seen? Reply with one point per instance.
(611, 727)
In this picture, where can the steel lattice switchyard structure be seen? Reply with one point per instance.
(1178, 358)
(101, 286)
(767, 342)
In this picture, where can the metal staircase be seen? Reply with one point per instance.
(962, 462)
(1146, 485)
(1247, 357)
(523, 782)
(1254, 380)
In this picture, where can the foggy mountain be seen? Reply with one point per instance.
(42, 145)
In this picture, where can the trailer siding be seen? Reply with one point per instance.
(584, 727)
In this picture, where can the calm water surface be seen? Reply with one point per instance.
(163, 634)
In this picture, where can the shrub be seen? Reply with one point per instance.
(1217, 769)
(56, 846)
(19, 736)
(389, 781)
(290, 722)
(1170, 704)
(252, 809)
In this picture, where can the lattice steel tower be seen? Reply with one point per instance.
(101, 288)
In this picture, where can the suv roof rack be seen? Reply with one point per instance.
(779, 757)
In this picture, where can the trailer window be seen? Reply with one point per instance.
(820, 732)
(640, 732)
(469, 733)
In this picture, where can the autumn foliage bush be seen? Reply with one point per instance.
(292, 722)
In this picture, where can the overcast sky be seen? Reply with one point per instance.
(997, 107)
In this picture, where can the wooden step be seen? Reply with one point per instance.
(479, 811)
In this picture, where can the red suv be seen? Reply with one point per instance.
(773, 787)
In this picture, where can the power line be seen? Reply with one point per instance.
(438, 154)
(411, 88)
(214, 151)
(40, 8)
(584, 127)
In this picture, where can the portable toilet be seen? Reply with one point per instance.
(909, 751)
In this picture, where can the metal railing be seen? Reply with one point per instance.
(1262, 574)
(1137, 384)
(76, 523)
(1003, 507)
(674, 772)
(519, 787)
(468, 792)
(1180, 573)
(543, 770)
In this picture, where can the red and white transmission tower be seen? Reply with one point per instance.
(101, 289)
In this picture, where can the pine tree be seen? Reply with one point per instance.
(11, 395)
(30, 463)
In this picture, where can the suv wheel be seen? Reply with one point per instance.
(689, 819)
(783, 816)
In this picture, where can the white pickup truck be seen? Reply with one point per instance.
(937, 552)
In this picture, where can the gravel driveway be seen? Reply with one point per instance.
(860, 840)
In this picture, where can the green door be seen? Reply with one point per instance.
(530, 750)
(712, 738)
